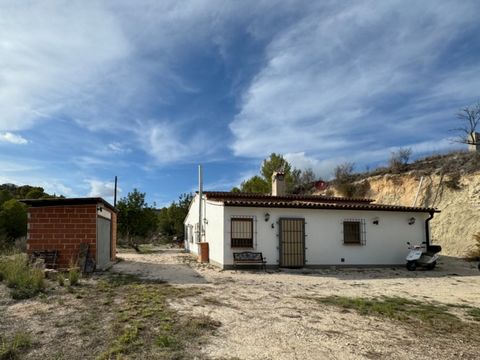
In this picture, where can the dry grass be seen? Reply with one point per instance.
(431, 317)
(146, 324)
(12, 348)
(23, 280)
(109, 317)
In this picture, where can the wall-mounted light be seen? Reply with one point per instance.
(273, 226)
(411, 221)
(267, 216)
(375, 221)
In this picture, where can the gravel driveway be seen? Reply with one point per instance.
(272, 315)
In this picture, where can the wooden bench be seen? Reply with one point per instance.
(249, 258)
(49, 257)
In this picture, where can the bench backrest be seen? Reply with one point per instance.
(248, 256)
(50, 257)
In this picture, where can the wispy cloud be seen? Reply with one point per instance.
(344, 76)
(44, 69)
(13, 138)
(168, 142)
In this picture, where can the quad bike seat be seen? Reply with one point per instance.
(434, 249)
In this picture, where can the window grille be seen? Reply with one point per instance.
(242, 232)
(197, 233)
(354, 232)
(190, 233)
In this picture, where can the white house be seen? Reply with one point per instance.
(304, 230)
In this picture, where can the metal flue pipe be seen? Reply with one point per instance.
(200, 191)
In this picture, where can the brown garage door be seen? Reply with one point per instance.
(292, 242)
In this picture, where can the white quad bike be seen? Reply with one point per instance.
(418, 257)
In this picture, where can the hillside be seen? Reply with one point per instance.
(451, 183)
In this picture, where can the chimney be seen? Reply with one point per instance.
(278, 183)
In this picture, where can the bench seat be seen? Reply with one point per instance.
(249, 258)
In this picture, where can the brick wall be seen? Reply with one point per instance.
(63, 228)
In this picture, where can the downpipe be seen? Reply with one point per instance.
(427, 229)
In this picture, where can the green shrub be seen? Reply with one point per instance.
(61, 279)
(23, 280)
(73, 275)
(10, 349)
(454, 181)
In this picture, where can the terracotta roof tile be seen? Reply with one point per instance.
(220, 195)
(319, 205)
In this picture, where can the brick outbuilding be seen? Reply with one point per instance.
(64, 224)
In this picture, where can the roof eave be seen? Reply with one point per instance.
(333, 207)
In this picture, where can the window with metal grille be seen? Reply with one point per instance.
(354, 232)
(242, 232)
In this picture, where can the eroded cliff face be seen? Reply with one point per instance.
(459, 219)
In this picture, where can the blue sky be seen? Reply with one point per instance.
(146, 90)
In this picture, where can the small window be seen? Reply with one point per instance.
(354, 232)
(242, 232)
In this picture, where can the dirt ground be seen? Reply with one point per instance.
(165, 305)
(271, 315)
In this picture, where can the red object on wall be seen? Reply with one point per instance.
(203, 252)
(321, 185)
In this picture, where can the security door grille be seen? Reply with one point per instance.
(242, 232)
(292, 242)
(354, 232)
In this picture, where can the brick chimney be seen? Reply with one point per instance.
(278, 183)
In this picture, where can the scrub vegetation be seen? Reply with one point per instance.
(133, 317)
(437, 318)
(23, 280)
(12, 348)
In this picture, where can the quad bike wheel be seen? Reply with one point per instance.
(411, 265)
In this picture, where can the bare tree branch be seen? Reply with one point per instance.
(470, 118)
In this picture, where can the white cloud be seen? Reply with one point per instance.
(119, 148)
(169, 143)
(50, 185)
(102, 189)
(357, 77)
(13, 138)
(53, 55)
(322, 168)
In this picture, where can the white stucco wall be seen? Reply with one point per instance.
(214, 230)
(191, 220)
(385, 243)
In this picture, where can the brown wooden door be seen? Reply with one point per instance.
(292, 242)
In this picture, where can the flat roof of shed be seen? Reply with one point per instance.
(68, 201)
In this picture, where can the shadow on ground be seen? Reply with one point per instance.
(447, 267)
(171, 273)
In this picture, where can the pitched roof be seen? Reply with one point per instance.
(306, 202)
